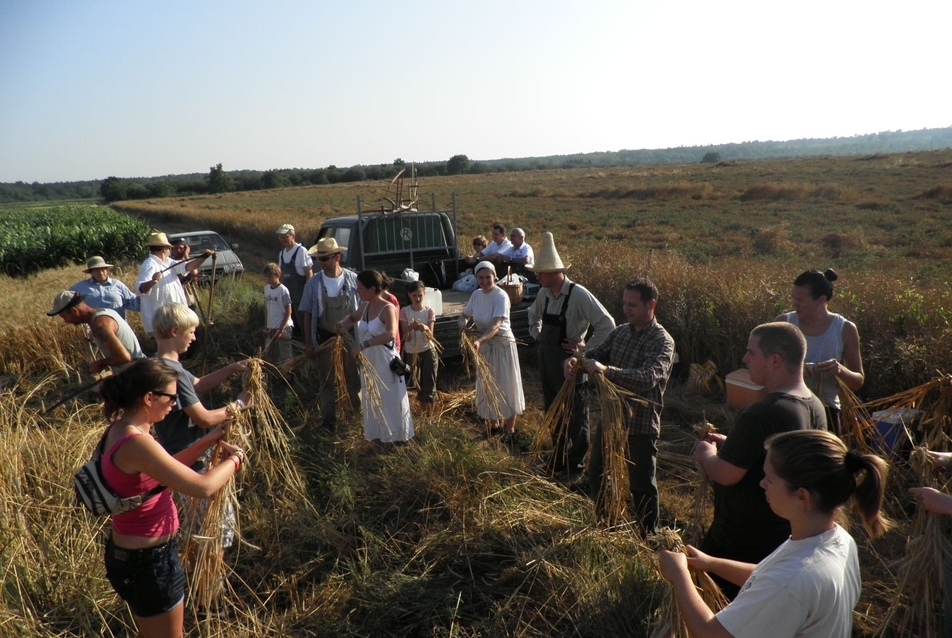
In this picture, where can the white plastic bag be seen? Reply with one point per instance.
(466, 283)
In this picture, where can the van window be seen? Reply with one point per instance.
(342, 235)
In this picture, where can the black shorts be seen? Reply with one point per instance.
(151, 581)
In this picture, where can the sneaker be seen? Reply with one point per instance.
(508, 438)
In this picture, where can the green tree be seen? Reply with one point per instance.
(112, 189)
(457, 165)
(219, 181)
(711, 157)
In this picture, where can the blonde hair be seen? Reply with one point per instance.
(170, 316)
(271, 269)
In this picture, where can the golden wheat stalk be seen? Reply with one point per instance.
(557, 419)
(856, 427)
(371, 382)
(700, 503)
(929, 402)
(668, 622)
(611, 502)
(912, 611)
(268, 435)
(205, 548)
(476, 364)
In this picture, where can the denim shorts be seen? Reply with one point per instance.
(151, 580)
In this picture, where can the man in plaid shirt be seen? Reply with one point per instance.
(636, 356)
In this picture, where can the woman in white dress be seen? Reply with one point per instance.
(388, 419)
(809, 585)
(488, 307)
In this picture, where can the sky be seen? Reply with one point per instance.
(91, 89)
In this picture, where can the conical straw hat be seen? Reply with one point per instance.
(547, 259)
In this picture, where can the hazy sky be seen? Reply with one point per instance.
(90, 89)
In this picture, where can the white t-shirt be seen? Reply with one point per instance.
(333, 284)
(804, 589)
(275, 301)
(167, 290)
(301, 262)
(494, 248)
(522, 252)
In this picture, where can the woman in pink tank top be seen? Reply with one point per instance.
(141, 555)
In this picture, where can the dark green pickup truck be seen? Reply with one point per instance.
(423, 241)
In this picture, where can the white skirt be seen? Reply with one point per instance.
(508, 401)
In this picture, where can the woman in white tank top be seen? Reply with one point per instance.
(832, 341)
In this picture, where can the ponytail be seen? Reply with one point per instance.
(819, 462)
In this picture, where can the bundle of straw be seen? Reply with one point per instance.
(912, 612)
(207, 582)
(668, 622)
(370, 380)
(267, 434)
(555, 423)
(476, 364)
(856, 427)
(703, 378)
(931, 402)
(611, 502)
(701, 501)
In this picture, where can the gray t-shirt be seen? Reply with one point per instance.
(176, 431)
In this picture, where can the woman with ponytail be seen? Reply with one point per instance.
(809, 585)
(142, 562)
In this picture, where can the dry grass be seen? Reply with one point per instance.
(449, 536)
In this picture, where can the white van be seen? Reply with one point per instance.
(226, 261)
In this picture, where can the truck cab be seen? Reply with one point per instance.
(422, 241)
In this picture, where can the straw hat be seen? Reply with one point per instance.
(95, 263)
(158, 240)
(64, 301)
(286, 229)
(547, 259)
(324, 247)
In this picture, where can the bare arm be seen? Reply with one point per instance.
(719, 470)
(106, 331)
(730, 570)
(489, 334)
(144, 454)
(214, 379)
(700, 620)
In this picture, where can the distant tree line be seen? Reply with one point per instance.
(217, 180)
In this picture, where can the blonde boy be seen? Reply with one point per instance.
(277, 312)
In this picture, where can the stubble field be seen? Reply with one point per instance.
(454, 536)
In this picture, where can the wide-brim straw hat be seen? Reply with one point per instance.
(324, 247)
(547, 258)
(158, 240)
(64, 301)
(94, 263)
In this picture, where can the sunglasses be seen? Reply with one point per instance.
(170, 397)
(326, 257)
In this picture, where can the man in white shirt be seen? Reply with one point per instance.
(329, 297)
(158, 281)
(520, 254)
(297, 268)
(498, 246)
